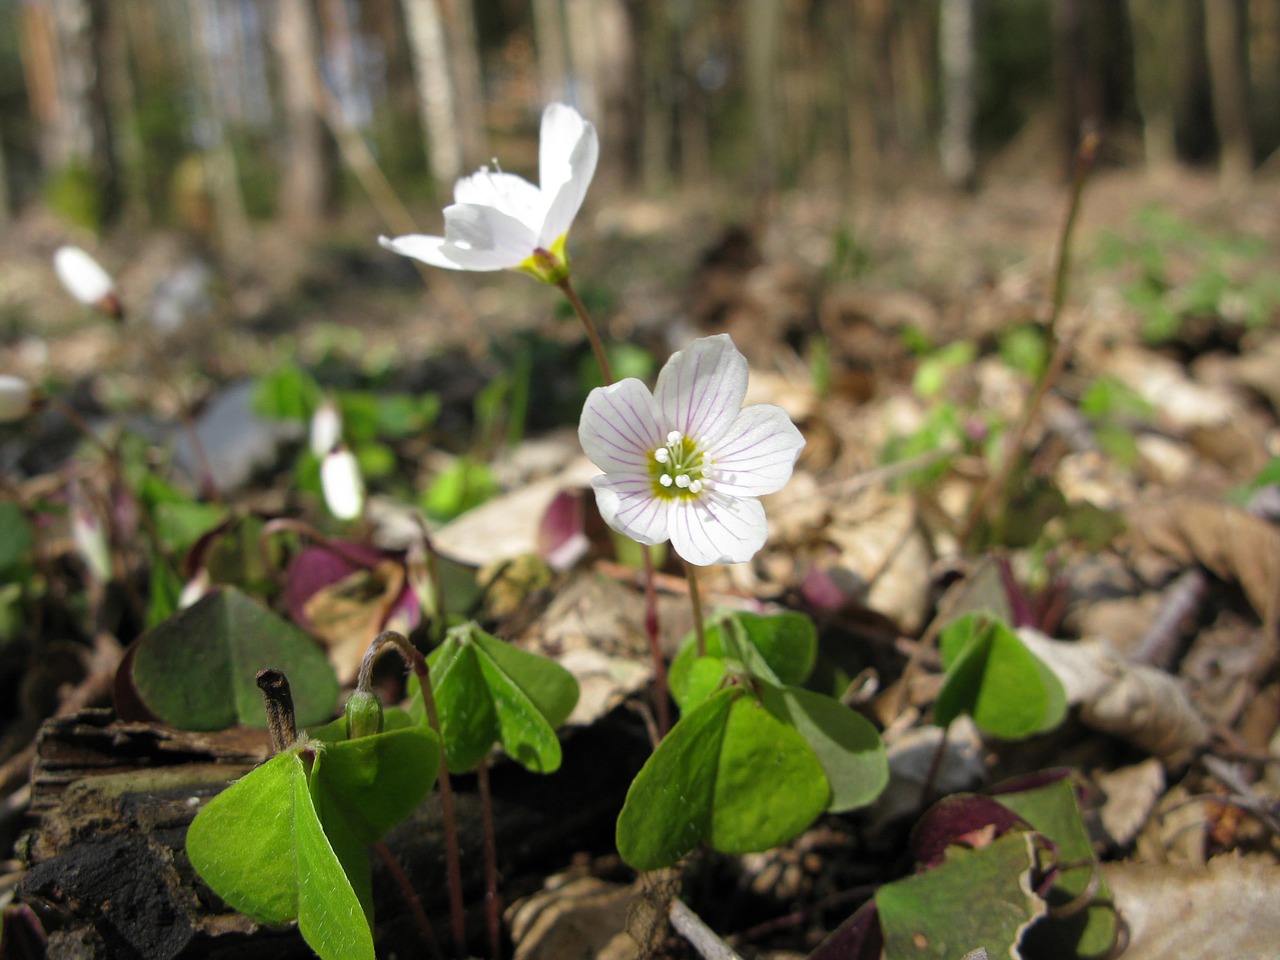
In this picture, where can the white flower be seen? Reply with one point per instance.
(326, 428)
(500, 221)
(16, 398)
(84, 279)
(342, 483)
(687, 463)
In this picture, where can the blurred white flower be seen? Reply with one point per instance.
(342, 483)
(89, 534)
(687, 462)
(84, 278)
(326, 428)
(17, 398)
(500, 221)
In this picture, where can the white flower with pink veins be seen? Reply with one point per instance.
(687, 463)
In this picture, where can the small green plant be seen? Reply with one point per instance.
(755, 757)
(288, 842)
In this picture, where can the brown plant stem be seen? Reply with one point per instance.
(997, 486)
(661, 702)
(453, 858)
(411, 898)
(566, 286)
(279, 703)
(492, 900)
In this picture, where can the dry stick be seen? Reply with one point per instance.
(492, 901)
(705, 940)
(998, 484)
(278, 700)
(453, 859)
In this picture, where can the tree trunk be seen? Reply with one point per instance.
(551, 41)
(63, 47)
(305, 185)
(464, 50)
(1264, 72)
(1157, 28)
(436, 94)
(957, 53)
(762, 24)
(1224, 38)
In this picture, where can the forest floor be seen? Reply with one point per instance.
(1129, 527)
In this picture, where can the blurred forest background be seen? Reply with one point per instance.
(213, 115)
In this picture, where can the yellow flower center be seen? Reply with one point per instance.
(679, 468)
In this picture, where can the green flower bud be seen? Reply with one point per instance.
(364, 714)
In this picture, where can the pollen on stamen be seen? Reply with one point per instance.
(665, 480)
(695, 487)
(662, 455)
(682, 481)
(675, 436)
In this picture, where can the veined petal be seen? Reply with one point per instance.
(619, 427)
(700, 389)
(627, 504)
(757, 453)
(514, 196)
(566, 184)
(484, 238)
(421, 247)
(714, 528)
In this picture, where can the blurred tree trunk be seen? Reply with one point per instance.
(957, 49)
(137, 196)
(436, 94)
(63, 59)
(601, 53)
(464, 50)
(1157, 27)
(654, 56)
(762, 23)
(551, 43)
(305, 189)
(230, 224)
(1228, 77)
(1264, 71)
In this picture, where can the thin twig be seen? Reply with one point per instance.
(705, 940)
(411, 898)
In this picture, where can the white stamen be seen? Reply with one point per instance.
(682, 481)
(662, 454)
(695, 487)
(665, 480)
(675, 436)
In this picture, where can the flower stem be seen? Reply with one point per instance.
(661, 702)
(492, 901)
(411, 898)
(592, 335)
(695, 598)
(453, 858)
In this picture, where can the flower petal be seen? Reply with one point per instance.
(484, 238)
(565, 179)
(421, 247)
(715, 528)
(757, 453)
(512, 195)
(561, 138)
(619, 427)
(700, 389)
(627, 504)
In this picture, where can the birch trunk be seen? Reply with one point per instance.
(436, 95)
(957, 53)
(1228, 80)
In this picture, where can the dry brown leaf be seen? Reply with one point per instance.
(574, 917)
(1229, 909)
(1231, 543)
(1145, 706)
(1131, 795)
(347, 615)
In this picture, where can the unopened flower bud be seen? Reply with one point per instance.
(90, 537)
(84, 278)
(342, 484)
(16, 398)
(364, 714)
(326, 428)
